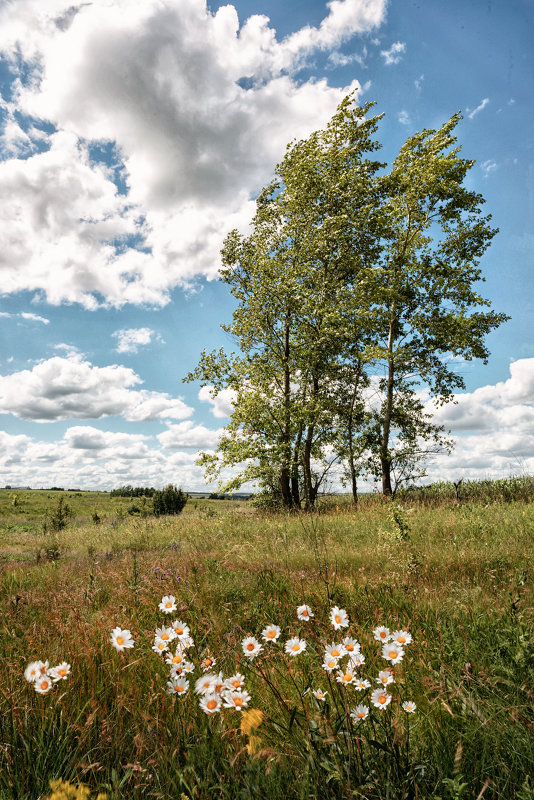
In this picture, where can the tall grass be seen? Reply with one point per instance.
(457, 576)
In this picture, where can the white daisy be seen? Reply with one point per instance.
(401, 637)
(43, 684)
(206, 684)
(238, 699)
(357, 659)
(207, 663)
(166, 634)
(175, 659)
(351, 645)
(180, 629)
(362, 684)
(234, 682)
(334, 651)
(330, 664)
(160, 646)
(305, 613)
(339, 618)
(188, 667)
(59, 673)
(409, 706)
(251, 647)
(33, 670)
(381, 634)
(392, 652)
(178, 685)
(359, 713)
(319, 694)
(380, 698)
(121, 639)
(270, 633)
(385, 677)
(186, 641)
(345, 676)
(176, 671)
(168, 604)
(295, 646)
(210, 703)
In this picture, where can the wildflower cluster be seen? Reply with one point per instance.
(43, 677)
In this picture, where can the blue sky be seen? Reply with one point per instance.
(135, 135)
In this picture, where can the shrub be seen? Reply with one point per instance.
(170, 500)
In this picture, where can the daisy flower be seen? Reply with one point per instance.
(305, 613)
(392, 653)
(43, 684)
(357, 659)
(121, 639)
(319, 694)
(188, 667)
(220, 685)
(351, 645)
(380, 698)
(206, 684)
(166, 634)
(160, 646)
(207, 663)
(359, 713)
(339, 618)
(186, 641)
(176, 671)
(35, 670)
(210, 703)
(234, 682)
(381, 634)
(362, 684)
(346, 677)
(401, 637)
(385, 677)
(178, 685)
(180, 629)
(295, 646)
(251, 647)
(409, 706)
(175, 659)
(60, 673)
(168, 604)
(334, 651)
(329, 664)
(238, 699)
(270, 633)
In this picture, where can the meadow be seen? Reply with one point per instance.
(456, 576)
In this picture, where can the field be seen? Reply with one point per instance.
(456, 575)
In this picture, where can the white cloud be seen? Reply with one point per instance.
(222, 403)
(488, 167)
(70, 387)
(418, 83)
(163, 82)
(25, 315)
(394, 54)
(472, 113)
(129, 340)
(187, 434)
(404, 117)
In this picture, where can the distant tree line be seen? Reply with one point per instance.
(133, 491)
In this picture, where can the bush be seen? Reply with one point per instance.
(170, 500)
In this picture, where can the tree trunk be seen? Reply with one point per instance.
(310, 492)
(385, 458)
(285, 476)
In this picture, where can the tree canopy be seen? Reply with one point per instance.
(355, 288)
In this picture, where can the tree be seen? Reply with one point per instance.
(354, 288)
(289, 277)
(426, 306)
(169, 500)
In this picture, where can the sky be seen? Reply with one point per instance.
(134, 134)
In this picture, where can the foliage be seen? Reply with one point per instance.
(354, 290)
(131, 491)
(169, 500)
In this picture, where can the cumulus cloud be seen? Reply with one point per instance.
(198, 109)
(221, 402)
(129, 340)
(404, 117)
(25, 315)
(473, 112)
(394, 54)
(71, 387)
(488, 167)
(187, 434)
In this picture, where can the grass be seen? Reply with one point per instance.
(458, 575)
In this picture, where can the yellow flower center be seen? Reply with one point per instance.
(296, 648)
(165, 636)
(168, 605)
(178, 688)
(177, 659)
(331, 664)
(361, 714)
(383, 634)
(161, 646)
(62, 672)
(178, 631)
(401, 639)
(393, 654)
(336, 653)
(212, 704)
(382, 699)
(347, 677)
(250, 646)
(44, 685)
(271, 634)
(208, 662)
(238, 701)
(349, 647)
(120, 640)
(236, 684)
(304, 613)
(337, 618)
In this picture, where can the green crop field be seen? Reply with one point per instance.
(456, 576)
